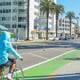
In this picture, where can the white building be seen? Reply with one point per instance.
(51, 24)
(13, 15)
(64, 27)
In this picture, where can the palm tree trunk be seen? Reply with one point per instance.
(56, 25)
(28, 19)
(70, 27)
(47, 26)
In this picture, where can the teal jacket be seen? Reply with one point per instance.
(6, 48)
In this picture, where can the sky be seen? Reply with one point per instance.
(71, 5)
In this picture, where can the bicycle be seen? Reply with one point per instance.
(14, 75)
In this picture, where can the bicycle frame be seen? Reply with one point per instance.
(16, 74)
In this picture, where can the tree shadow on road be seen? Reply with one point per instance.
(73, 59)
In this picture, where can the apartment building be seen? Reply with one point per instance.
(41, 24)
(64, 27)
(13, 15)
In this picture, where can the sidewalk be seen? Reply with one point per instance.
(29, 41)
(70, 71)
(46, 41)
(70, 68)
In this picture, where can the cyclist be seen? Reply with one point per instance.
(6, 49)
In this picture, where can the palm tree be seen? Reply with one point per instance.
(46, 8)
(70, 15)
(59, 9)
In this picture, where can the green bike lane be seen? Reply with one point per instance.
(51, 65)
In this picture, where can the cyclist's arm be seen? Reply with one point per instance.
(13, 51)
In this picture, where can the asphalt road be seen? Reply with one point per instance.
(39, 52)
(34, 53)
(34, 56)
(62, 77)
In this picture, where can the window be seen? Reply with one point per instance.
(62, 24)
(14, 18)
(21, 19)
(20, 3)
(5, 3)
(14, 10)
(22, 10)
(3, 18)
(14, 26)
(37, 0)
(22, 25)
(15, 3)
(37, 7)
(36, 13)
(60, 29)
(0, 11)
(6, 10)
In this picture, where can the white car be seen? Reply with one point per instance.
(56, 38)
(51, 38)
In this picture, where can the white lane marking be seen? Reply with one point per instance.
(46, 61)
(38, 56)
(38, 78)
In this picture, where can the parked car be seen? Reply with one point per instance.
(51, 38)
(56, 38)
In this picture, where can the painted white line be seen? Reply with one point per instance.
(38, 78)
(38, 56)
(46, 61)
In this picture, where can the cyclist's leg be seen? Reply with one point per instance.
(0, 69)
(1, 72)
(12, 64)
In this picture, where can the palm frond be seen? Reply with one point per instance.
(59, 9)
(70, 14)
